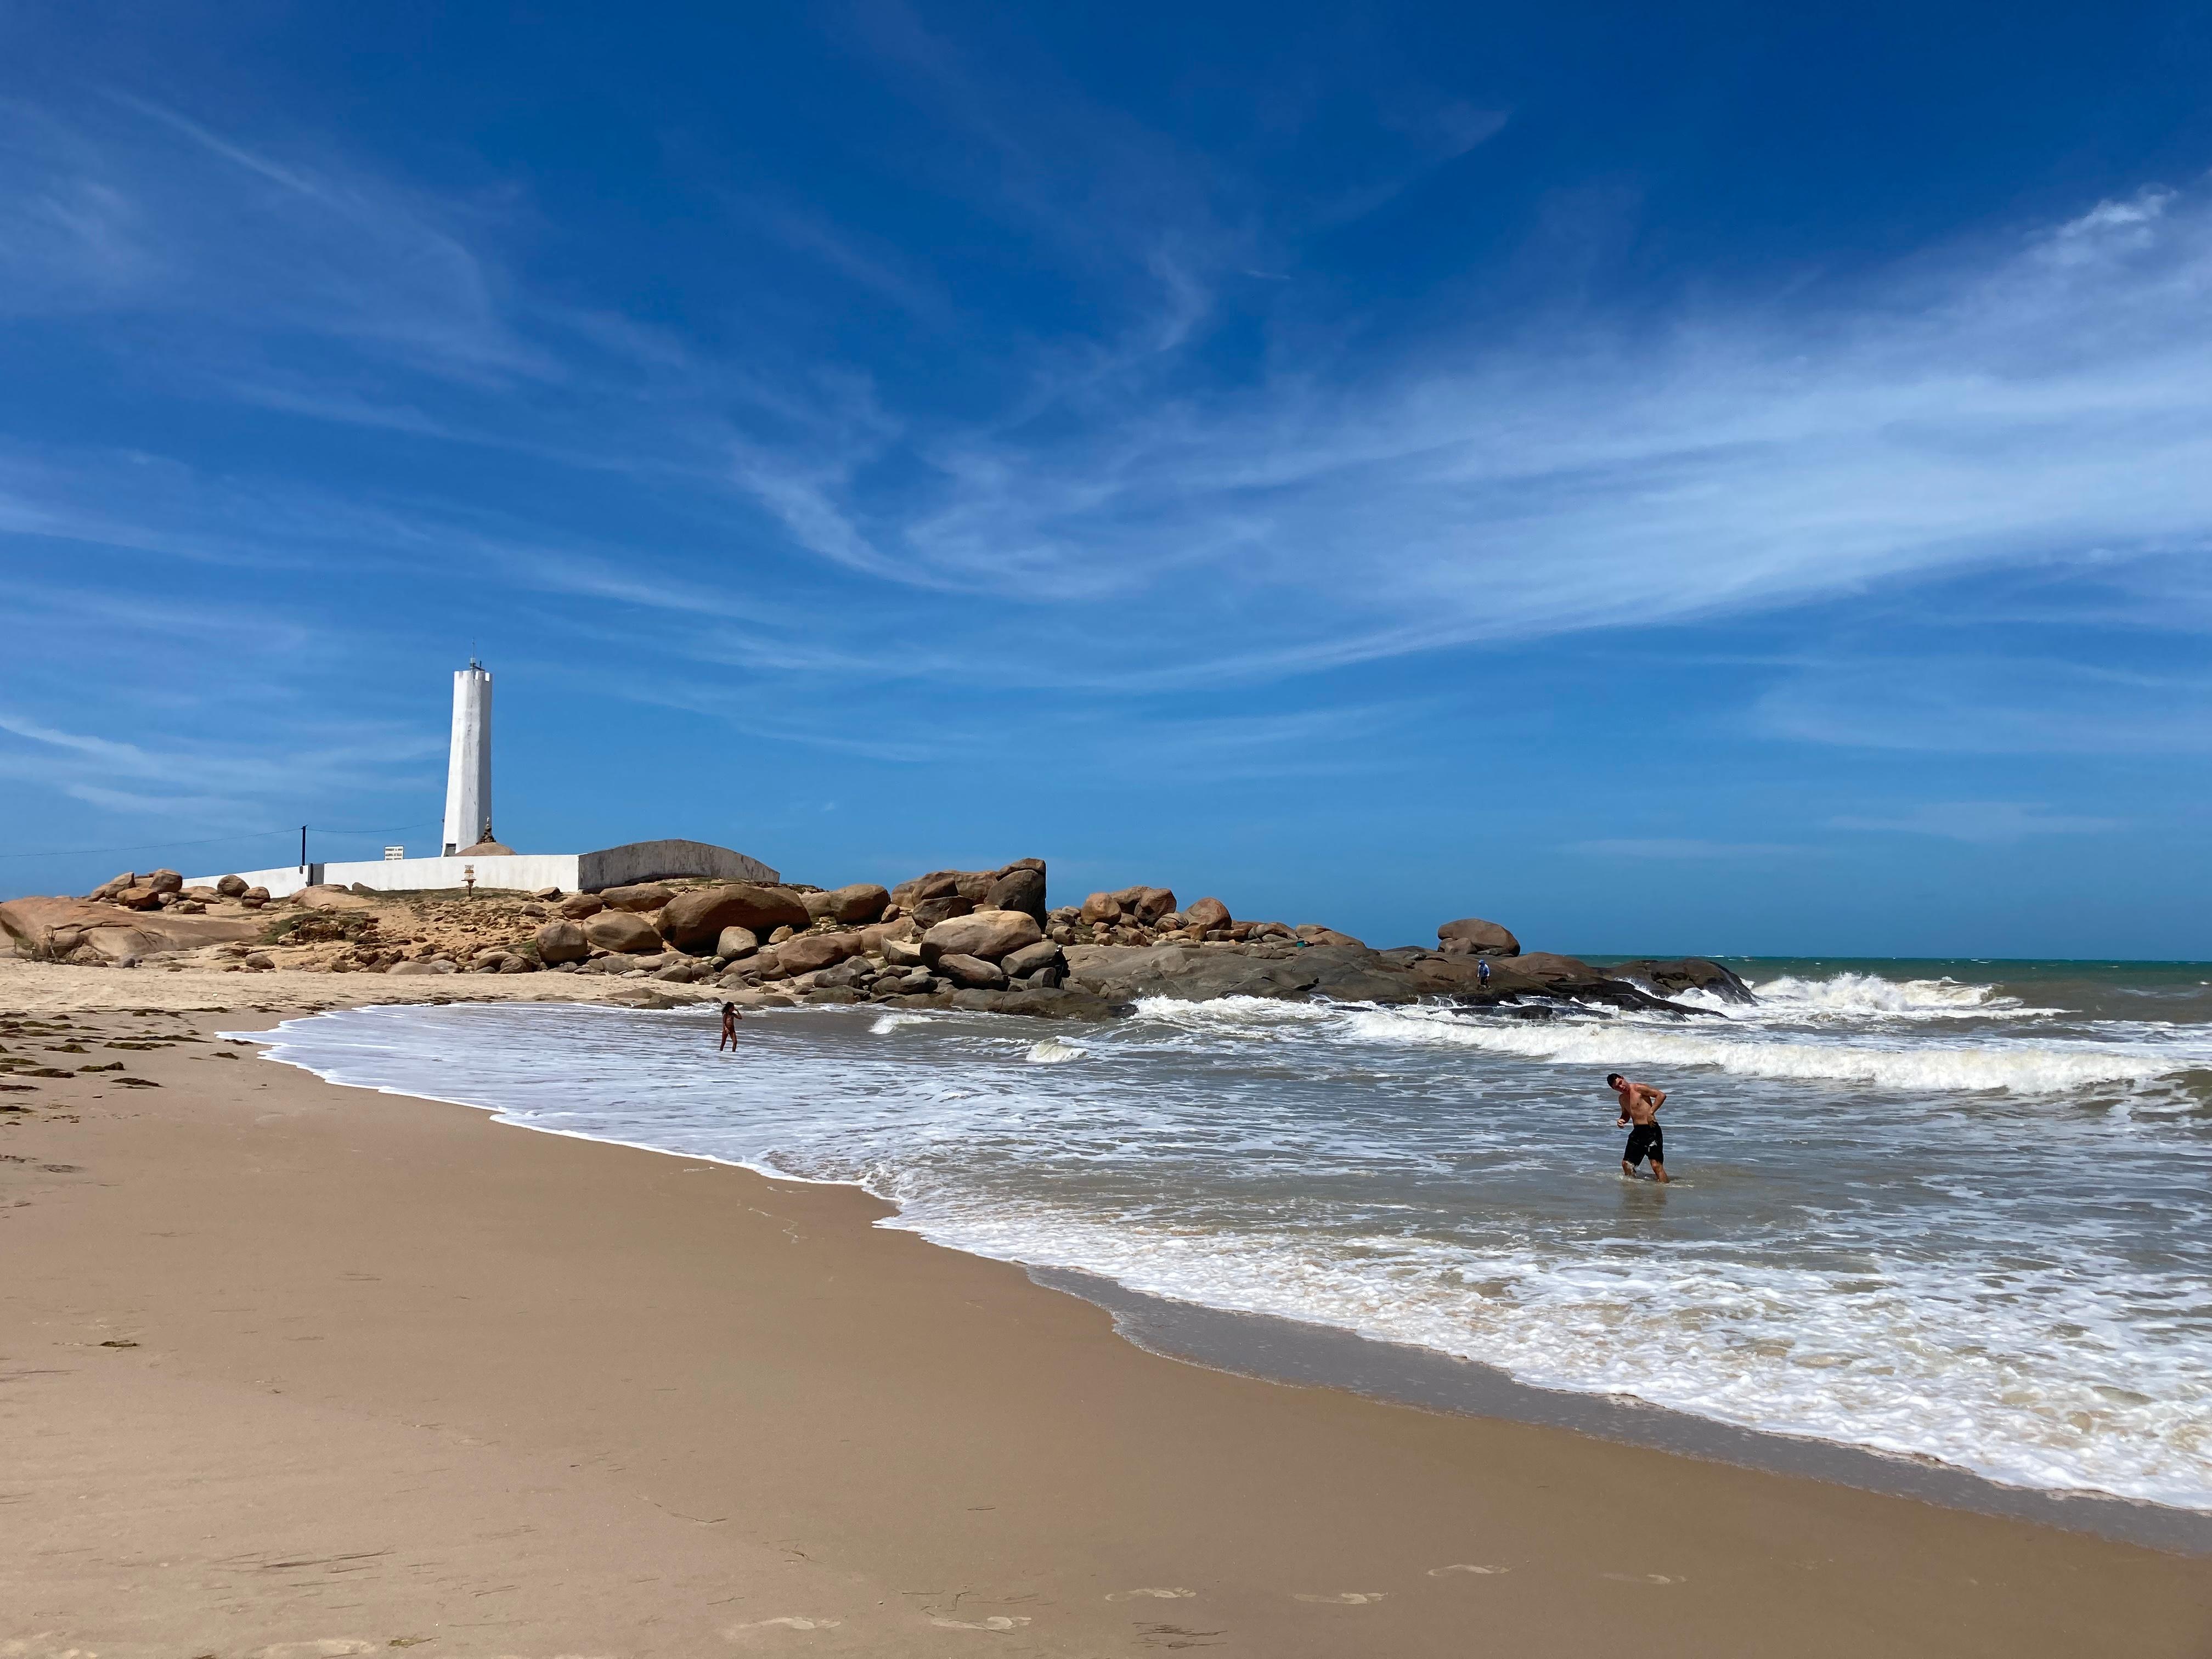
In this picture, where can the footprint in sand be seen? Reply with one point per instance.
(789, 1621)
(1346, 1598)
(1641, 1578)
(996, 1621)
(1464, 1567)
(1157, 1595)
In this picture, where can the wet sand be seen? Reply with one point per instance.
(301, 1371)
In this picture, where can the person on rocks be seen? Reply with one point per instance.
(1639, 1113)
(1482, 974)
(730, 1018)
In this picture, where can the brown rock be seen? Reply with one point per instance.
(165, 881)
(1146, 904)
(28, 924)
(1022, 888)
(972, 973)
(256, 895)
(734, 942)
(974, 886)
(1551, 968)
(621, 930)
(1313, 933)
(427, 965)
(1472, 936)
(927, 913)
(1207, 912)
(577, 906)
(693, 920)
(987, 934)
(561, 941)
(643, 897)
(138, 898)
(812, 952)
(862, 902)
(231, 886)
(1102, 907)
(329, 898)
(1020, 964)
(938, 883)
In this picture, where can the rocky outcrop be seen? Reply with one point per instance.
(811, 951)
(66, 929)
(1671, 978)
(1472, 936)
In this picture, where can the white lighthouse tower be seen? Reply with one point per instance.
(468, 767)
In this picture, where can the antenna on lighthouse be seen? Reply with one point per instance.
(468, 764)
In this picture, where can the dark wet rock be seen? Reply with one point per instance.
(1671, 978)
(1022, 888)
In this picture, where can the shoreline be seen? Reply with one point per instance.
(1310, 1352)
(429, 1380)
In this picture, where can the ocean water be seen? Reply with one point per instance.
(1955, 1211)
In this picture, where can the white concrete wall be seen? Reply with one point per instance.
(281, 883)
(468, 761)
(527, 871)
(572, 872)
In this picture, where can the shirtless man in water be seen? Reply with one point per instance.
(1639, 1106)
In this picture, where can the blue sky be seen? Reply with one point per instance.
(1713, 480)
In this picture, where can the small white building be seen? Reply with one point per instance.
(471, 854)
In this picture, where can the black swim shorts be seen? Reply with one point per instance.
(1645, 1138)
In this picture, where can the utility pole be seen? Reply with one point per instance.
(303, 849)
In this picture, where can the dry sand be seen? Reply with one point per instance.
(297, 1370)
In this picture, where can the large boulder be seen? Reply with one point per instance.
(27, 923)
(624, 930)
(1022, 888)
(927, 913)
(938, 883)
(1102, 907)
(1313, 933)
(139, 898)
(1474, 937)
(165, 881)
(735, 942)
(811, 951)
(561, 941)
(231, 886)
(695, 920)
(426, 965)
(858, 903)
(974, 886)
(1020, 964)
(986, 935)
(1208, 914)
(972, 972)
(577, 906)
(1146, 904)
(641, 898)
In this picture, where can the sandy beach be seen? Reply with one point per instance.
(300, 1370)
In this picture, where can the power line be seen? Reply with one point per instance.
(214, 841)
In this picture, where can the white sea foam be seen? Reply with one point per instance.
(2021, 1067)
(889, 1023)
(1052, 1052)
(1858, 996)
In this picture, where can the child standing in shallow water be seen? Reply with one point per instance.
(730, 1018)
